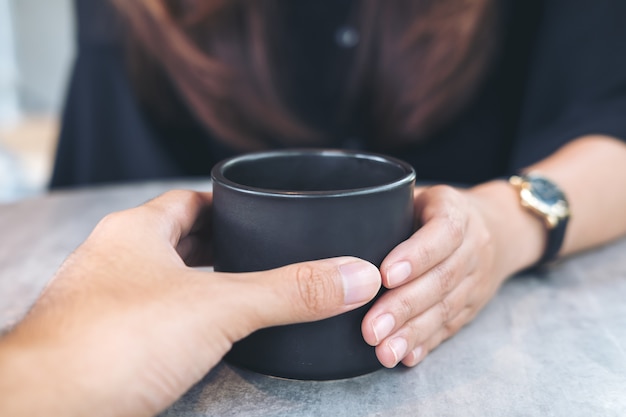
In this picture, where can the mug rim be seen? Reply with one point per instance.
(217, 173)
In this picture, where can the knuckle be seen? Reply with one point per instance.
(443, 190)
(415, 333)
(111, 220)
(465, 316)
(455, 226)
(190, 198)
(422, 255)
(405, 308)
(112, 226)
(168, 194)
(172, 200)
(445, 277)
(446, 310)
(451, 328)
(314, 290)
(488, 247)
(176, 195)
(485, 238)
(448, 195)
(451, 212)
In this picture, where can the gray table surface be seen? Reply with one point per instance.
(549, 344)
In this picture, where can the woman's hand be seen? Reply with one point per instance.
(469, 241)
(441, 277)
(126, 327)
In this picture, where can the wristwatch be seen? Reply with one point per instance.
(544, 199)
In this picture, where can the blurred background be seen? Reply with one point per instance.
(36, 52)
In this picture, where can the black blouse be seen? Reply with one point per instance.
(560, 74)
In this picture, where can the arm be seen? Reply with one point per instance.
(592, 172)
(125, 327)
(472, 240)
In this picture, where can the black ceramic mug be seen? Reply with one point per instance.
(275, 208)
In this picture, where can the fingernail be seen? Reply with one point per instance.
(383, 325)
(361, 281)
(398, 273)
(398, 347)
(417, 355)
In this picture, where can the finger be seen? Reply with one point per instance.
(196, 249)
(177, 213)
(419, 189)
(418, 330)
(444, 222)
(161, 225)
(401, 348)
(313, 290)
(419, 352)
(400, 305)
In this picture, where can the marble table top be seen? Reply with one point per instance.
(549, 344)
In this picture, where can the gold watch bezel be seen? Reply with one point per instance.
(551, 214)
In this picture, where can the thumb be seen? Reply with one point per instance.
(315, 290)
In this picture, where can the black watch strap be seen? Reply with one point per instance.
(554, 242)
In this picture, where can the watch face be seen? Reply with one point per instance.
(545, 191)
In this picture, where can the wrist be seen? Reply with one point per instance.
(519, 237)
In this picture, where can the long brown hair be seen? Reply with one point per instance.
(418, 63)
